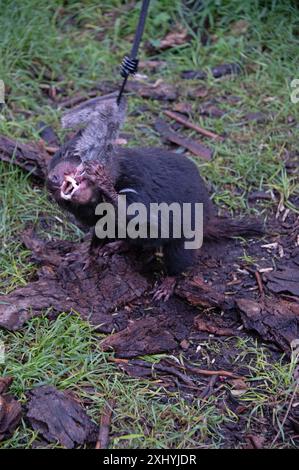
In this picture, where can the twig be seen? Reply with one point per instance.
(195, 370)
(192, 145)
(223, 373)
(286, 415)
(173, 371)
(259, 282)
(209, 388)
(31, 157)
(157, 367)
(51, 150)
(118, 360)
(103, 439)
(189, 124)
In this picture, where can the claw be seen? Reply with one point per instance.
(165, 290)
(112, 248)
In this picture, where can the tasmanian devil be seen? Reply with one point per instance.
(143, 175)
(146, 175)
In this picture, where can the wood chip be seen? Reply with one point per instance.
(179, 118)
(192, 145)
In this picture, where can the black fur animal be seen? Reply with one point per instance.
(154, 175)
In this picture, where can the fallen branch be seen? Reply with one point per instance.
(31, 157)
(173, 371)
(259, 282)
(222, 373)
(286, 415)
(178, 118)
(209, 388)
(195, 147)
(103, 439)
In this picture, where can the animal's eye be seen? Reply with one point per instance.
(54, 179)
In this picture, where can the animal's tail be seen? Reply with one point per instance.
(223, 228)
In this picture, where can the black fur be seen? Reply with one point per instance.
(162, 176)
(157, 176)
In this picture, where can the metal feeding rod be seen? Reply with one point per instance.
(129, 64)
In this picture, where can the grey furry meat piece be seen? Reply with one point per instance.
(102, 118)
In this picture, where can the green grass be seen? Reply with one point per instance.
(72, 46)
(66, 353)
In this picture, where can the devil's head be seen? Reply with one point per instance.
(99, 121)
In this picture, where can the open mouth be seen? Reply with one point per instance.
(69, 187)
(71, 184)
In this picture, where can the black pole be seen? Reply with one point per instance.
(130, 63)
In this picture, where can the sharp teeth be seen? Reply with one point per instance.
(69, 187)
(71, 180)
(65, 196)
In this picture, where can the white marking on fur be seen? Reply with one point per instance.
(128, 190)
